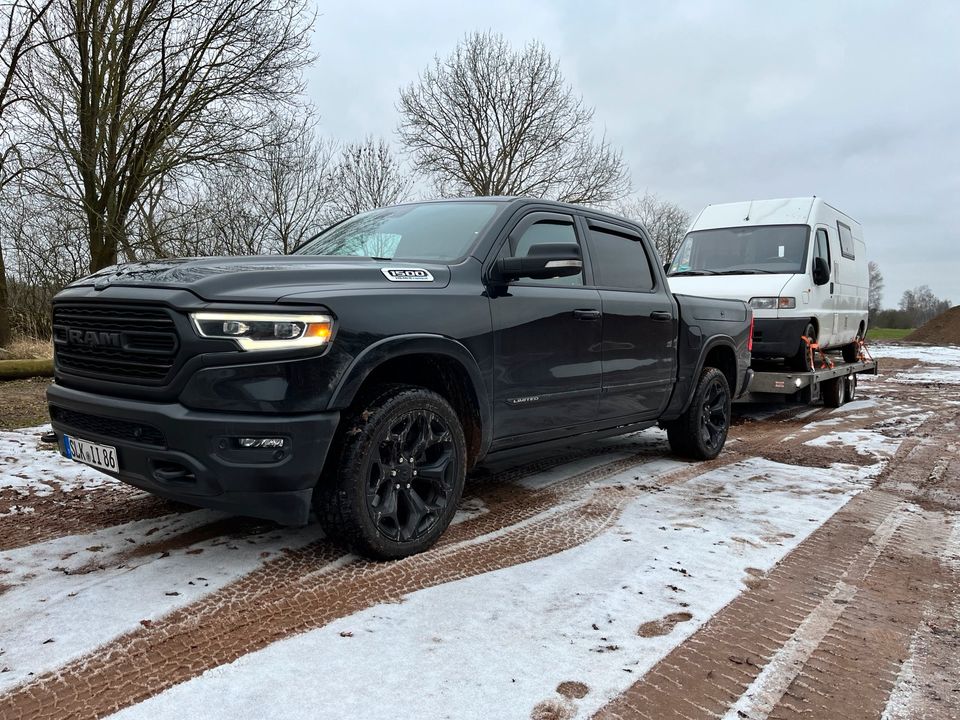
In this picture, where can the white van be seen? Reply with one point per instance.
(800, 263)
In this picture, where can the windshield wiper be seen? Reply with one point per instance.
(745, 272)
(692, 272)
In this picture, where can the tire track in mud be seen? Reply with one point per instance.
(824, 633)
(36, 518)
(309, 587)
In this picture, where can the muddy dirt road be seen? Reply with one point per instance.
(813, 569)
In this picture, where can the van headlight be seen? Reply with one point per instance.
(265, 331)
(773, 303)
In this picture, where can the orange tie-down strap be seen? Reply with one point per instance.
(813, 349)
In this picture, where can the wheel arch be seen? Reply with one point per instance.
(435, 362)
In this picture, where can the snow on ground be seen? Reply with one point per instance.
(463, 649)
(923, 353)
(946, 376)
(29, 466)
(56, 589)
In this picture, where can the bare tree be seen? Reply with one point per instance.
(367, 176)
(666, 222)
(19, 20)
(875, 292)
(921, 305)
(295, 167)
(128, 91)
(490, 120)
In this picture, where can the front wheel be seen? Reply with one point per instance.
(701, 431)
(803, 360)
(397, 474)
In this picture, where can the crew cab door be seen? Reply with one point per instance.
(639, 323)
(547, 333)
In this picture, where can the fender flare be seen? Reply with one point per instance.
(712, 343)
(415, 344)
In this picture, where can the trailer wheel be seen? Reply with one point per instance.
(834, 392)
(701, 431)
(851, 387)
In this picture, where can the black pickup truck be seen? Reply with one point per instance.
(364, 374)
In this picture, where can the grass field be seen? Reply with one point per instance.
(888, 333)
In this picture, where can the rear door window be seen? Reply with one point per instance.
(619, 261)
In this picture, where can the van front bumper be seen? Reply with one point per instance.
(195, 457)
(778, 337)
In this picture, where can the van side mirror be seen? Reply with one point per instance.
(542, 262)
(821, 271)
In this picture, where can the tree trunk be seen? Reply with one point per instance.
(104, 241)
(4, 304)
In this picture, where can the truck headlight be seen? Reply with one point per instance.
(773, 303)
(265, 331)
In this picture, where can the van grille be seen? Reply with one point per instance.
(129, 343)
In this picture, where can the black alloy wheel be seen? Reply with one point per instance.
(715, 415)
(701, 431)
(395, 474)
(410, 480)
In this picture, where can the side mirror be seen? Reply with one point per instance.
(821, 271)
(542, 262)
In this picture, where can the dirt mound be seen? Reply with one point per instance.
(942, 330)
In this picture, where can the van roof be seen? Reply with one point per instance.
(781, 211)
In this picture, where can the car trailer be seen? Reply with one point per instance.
(834, 381)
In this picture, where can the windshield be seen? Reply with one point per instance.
(742, 251)
(442, 231)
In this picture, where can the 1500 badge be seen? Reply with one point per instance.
(407, 274)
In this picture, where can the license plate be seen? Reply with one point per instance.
(100, 456)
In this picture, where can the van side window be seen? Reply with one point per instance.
(822, 248)
(846, 241)
(620, 261)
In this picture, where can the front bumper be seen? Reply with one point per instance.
(778, 337)
(192, 456)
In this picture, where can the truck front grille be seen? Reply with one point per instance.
(125, 343)
(108, 427)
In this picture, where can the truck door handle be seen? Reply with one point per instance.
(831, 288)
(661, 316)
(587, 315)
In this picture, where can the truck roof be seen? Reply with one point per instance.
(779, 211)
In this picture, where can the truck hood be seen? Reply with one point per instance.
(266, 278)
(731, 287)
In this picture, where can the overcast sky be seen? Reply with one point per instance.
(856, 102)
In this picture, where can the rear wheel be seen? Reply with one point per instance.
(702, 430)
(803, 359)
(851, 389)
(834, 392)
(851, 352)
(397, 476)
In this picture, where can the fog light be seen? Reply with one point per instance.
(260, 442)
(798, 382)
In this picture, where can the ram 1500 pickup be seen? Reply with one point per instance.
(364, 374)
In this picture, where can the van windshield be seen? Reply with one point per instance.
(742, 251)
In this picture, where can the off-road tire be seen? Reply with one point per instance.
(341, 498)
(689, 435)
